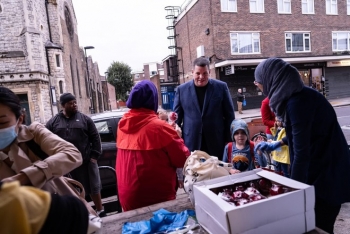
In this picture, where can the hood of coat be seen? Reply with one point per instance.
(134, 120)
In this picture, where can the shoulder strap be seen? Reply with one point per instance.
(229, 152)
(251, 145)
(35, 148)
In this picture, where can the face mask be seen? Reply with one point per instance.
(7, 136)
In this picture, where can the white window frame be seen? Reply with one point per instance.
(235, 36)
(335, 37)
(306, 4)
(289, 36)
(257, 2)
(348, 6)
(281, 5)
(228, 5)
(332, 7)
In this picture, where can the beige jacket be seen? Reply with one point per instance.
(46, 174)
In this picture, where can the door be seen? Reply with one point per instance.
(25, 105)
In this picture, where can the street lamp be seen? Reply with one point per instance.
(109, 100)
(88, 76)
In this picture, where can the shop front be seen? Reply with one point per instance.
(312, 75)
(242, 78)
(337, 74)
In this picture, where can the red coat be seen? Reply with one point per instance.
(149, 151)
(267, 115)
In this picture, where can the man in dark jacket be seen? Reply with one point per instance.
(205, 111)
(240, 98)
(78, 129)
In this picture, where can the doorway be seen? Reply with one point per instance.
(25, 105)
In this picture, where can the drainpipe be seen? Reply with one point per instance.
(49, 45)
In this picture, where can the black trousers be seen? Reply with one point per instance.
(326, 214)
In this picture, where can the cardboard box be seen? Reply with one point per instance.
(291, 212)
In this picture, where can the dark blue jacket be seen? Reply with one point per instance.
(318, 149)
(213, 121)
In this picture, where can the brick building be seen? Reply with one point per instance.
(40, 57)
(237, 35)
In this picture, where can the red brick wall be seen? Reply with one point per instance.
(271, 25)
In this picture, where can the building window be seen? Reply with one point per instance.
(284, 7)
(331, 7)
(341, 41)
(60, 84)
(298, 42)
(348, 6)
(69, 23)
(245, 42)
(308, 6)
(78, 77)
(58, 60)
(256, 6)
(229, 5)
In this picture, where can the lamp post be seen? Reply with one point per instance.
(92, 109)
(109, 100)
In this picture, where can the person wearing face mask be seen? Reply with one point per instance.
(21, 158)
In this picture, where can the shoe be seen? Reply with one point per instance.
(101, 213)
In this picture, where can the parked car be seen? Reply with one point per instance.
(107, 125)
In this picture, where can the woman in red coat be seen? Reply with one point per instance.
(149, 151)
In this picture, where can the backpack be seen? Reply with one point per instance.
(251, 146)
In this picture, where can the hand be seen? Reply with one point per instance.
(234, 171)
(93, 160)
(181, 183)
(21, 178)
(267, 146)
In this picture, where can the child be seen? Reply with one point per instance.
(281, 154)
(240, 152)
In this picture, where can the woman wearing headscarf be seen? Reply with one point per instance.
(318, 150)
(149, 151)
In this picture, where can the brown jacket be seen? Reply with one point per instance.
(46, 174)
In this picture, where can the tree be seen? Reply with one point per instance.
(119, 75)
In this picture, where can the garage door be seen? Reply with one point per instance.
(338, 79)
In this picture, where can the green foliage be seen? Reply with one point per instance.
(119, 75)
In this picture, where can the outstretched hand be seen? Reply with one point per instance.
(267, 146)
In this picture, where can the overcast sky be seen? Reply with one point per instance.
(132, 31)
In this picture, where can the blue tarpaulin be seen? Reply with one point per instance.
(161, 221)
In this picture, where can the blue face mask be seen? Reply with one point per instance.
(7, 136)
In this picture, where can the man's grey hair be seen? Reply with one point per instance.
(201, 62)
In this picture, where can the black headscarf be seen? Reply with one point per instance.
(280, 81)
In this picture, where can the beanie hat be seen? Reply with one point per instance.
(238, 124)
(143, 95)
(66, 97)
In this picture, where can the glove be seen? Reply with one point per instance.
(267, 146)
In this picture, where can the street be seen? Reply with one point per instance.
(342, 224)
(343, 115)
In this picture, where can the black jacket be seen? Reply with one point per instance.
(240, 97)
(79, 130)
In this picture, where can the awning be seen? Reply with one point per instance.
(246, 62)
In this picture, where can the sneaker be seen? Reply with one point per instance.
(101, 213)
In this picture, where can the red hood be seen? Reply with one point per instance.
(141, 129)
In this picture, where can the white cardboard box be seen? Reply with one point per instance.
(291, 212)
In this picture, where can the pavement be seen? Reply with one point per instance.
(255, 113)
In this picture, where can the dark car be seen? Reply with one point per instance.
(107, 125)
